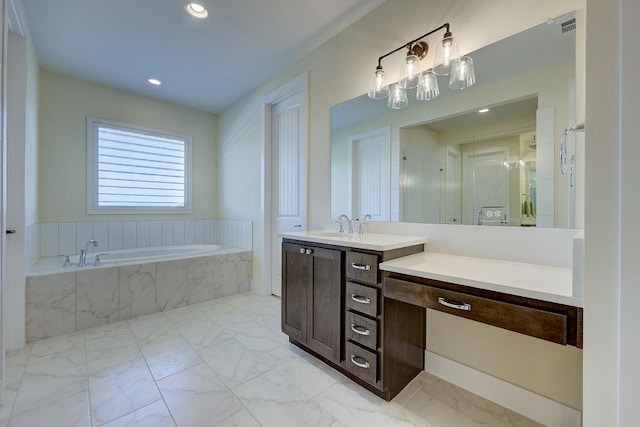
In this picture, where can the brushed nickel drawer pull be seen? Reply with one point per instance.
(457, 305)
(360, 330)
(302, 251)
(365, 267)
(308, 251)
(364, 364)
(360, 299)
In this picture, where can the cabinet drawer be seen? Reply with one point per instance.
(362, 267)
(530, 321)
(547, 325)
(362, 330)
(362, 363)
(362, 298)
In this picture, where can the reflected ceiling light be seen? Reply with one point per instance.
(154, 81)
(447, 62)
(196, 10)
(484, 110)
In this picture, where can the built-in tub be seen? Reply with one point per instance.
(130, 283)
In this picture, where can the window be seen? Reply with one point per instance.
(136, 170)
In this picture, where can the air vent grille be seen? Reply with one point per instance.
(569, 25)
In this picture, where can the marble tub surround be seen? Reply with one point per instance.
(119, 375)
(542, 282)
(93, 296)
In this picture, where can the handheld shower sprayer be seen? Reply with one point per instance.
(563, 146)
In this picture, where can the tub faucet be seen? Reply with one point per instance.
(83, 252)
(350, 227)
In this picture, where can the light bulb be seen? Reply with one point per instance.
(409, 70)
(377, 87)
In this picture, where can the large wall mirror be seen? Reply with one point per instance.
(485, 155)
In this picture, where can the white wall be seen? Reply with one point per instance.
(339, 71)
(65, 103)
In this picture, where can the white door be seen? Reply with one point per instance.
(3, 189)
(453, 187)
(486, 181)
(289, 177)
(370, 176)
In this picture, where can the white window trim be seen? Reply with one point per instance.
(92, 171)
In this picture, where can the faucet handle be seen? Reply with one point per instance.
(67, 262)
(97, 262)
(341, 229)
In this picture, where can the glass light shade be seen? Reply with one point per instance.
(446, 53)
(397, 97)
(377, 87)
(427, 87)
(409, 71)
(463, 74)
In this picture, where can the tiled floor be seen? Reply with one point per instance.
(220, 363)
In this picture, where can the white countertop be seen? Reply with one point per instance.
(542, 282)
(376, 242)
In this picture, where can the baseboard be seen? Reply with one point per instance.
(525, 402)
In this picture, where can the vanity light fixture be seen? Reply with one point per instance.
(154, 81)
(447, 62)
(196, 10)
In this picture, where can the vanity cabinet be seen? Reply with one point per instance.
(332, 307)
(312, 280)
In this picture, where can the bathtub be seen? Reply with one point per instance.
(130, 283)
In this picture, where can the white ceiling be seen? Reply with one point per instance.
(205, 64)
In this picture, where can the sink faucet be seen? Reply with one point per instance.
(362, 222)
(83, 252)
(350, 227)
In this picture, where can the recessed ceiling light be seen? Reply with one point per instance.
(197, 10)
(154, 81)
(484, 110)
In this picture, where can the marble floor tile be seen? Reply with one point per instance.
(109, 345)
(196, 397)
(121, 389)
(168, 354)
(354, 406)
(232, 362)
(240, 419)
(258, 338)
(72, 411)
(274, 401)
(223, 362)
(155, 414)
(41, 389)
(150, 327)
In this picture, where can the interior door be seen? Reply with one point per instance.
(486, 181)
(370, 175)
(289, 177)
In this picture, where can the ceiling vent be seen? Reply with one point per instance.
(568, 26)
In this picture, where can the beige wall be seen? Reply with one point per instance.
(65, 103)
(339, 70)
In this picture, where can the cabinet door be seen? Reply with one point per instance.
(296, 279)
(324, 330)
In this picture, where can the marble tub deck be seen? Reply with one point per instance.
(218, 363)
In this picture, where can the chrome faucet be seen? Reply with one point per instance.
(83, 252)
(362, 222)
(349, 226)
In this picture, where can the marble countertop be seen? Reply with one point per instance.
(542, 282)
(376, 242)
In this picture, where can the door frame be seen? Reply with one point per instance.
(298, 84)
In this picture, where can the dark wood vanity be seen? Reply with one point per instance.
(370, 324)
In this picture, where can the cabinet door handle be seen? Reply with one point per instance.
(360, 266)
(360, 330)
(308, 251)
(360, 299)
(302, 251)
(455, 304)
(363, 364)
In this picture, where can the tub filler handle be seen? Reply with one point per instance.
(97, 262)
